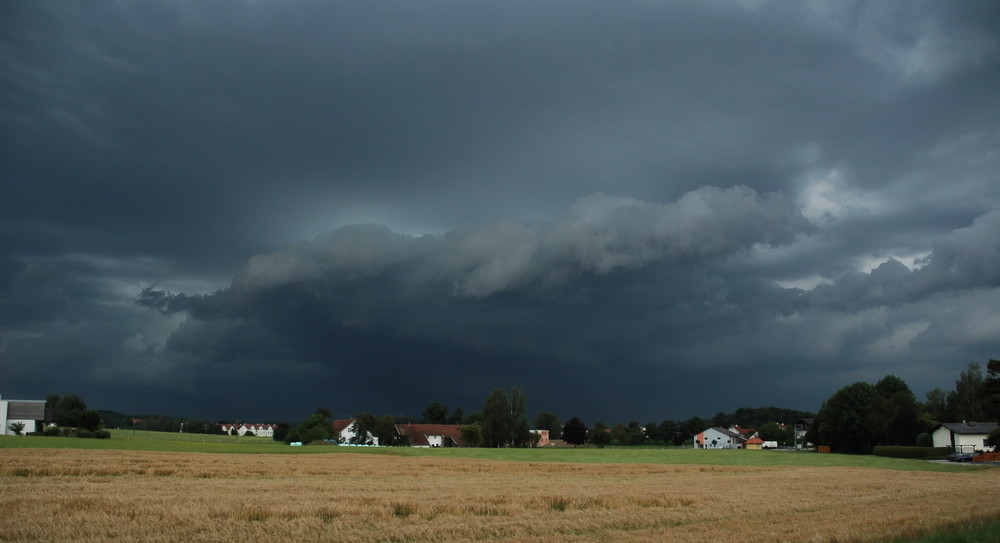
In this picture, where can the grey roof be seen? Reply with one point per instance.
(969, 428)
(26, 409)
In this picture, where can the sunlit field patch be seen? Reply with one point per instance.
(104, 495)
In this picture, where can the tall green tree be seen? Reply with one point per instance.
(457, 416)
(520, 430)
(281, 431)
(600, 434)
(314, 428)
(902, 410)
(670, 430)
(472, 434)
(936, 406)
(852, 420)
(496, 424)
(630, 434)
(990, 392)
(385, 431)
(505, 423)
(965, 402)
(574, 432)
(435, 413)
(651, 431)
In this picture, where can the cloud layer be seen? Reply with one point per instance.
(636, 211)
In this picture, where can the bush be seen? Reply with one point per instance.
(102, 434)
(52, 431)
(925, 440)
(893, 451)
(83, 432)
(993, 440)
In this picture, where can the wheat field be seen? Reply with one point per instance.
(126, 496)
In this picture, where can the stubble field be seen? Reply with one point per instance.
(123, 496)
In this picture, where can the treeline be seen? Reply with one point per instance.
(159, 423)
(503, 422)
(771, 423)
(861, 416)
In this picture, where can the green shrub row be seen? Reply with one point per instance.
(893, 451)
(61, 431)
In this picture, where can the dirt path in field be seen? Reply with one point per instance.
(104, 496)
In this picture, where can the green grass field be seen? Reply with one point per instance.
(176, 442)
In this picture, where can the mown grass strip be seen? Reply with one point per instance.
(174, 442)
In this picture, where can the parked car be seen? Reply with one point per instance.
(960, 457)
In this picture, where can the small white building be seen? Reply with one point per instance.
(31, 413)
(963, 436)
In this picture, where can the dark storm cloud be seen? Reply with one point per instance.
(801, 194)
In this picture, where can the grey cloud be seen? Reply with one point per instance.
(598, 235)
(963, 259)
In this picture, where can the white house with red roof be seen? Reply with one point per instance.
(432, 435)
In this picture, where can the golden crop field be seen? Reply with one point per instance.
(133, 496)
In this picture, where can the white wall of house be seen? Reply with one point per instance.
(963, 442)
(4, 430)
(259, 430)
(714, 439)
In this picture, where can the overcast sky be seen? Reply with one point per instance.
(636, 209)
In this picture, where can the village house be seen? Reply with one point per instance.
(801, 427)
(719, 438)
(543, 438)
(432, 435)
(30, 413)
(259, 430)
(344, 431)
(963, 436)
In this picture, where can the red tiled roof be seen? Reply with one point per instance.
(755, 440)
(340, 424)
(418, 433)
